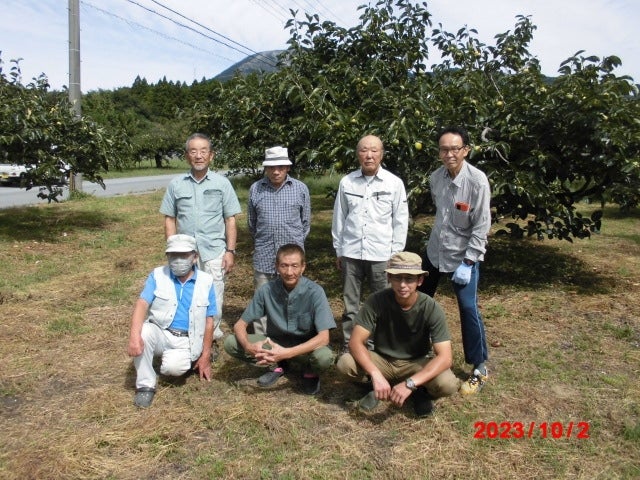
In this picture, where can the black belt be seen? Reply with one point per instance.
(178, 333)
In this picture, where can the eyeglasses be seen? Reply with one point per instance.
(455, 150)
(194, 153)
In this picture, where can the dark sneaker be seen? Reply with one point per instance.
(144, 397)
(475, 382)
(310, 384)
(368, 402)
(270, 378)
(422, 402)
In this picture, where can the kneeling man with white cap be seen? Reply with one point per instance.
(173, 318)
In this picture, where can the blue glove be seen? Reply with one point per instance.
(462, 275)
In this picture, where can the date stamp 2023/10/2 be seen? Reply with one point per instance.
(509, 430)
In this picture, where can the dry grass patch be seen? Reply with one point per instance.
(562, 321)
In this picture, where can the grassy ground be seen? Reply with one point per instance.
(563, 322)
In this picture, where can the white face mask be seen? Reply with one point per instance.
(181, 266)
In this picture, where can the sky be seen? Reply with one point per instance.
(123, 39)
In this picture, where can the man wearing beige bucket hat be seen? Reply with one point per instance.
(412, 355)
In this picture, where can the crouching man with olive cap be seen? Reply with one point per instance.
(405, 325)
(173, 318)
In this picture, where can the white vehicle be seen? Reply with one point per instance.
(11, 173)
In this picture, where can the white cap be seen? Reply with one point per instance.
(276, 156)
(181, 243)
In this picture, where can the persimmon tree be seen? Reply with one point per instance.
(38, 130)
(545, 143)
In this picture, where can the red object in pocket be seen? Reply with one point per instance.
(462, 206)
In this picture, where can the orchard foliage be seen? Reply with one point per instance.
(38, 130)
(544, 143)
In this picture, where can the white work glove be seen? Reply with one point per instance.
(462, 275)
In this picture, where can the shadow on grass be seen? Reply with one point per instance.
(523, 264)
(510, 264)
(520, 264)
(47, 225)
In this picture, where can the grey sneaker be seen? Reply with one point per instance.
(368, 402)
(270, 378)
(144, 397)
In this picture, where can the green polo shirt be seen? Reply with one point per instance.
(292, 317)
(200, 209)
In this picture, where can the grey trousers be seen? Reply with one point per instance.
(354, 272)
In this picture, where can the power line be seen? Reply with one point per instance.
(229, 42)
(203, 26)
(331, 14)
(282, 7)
(164, 35)
(269, 10)
(327, 13)
(265, 59)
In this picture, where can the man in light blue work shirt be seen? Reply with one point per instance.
(203, 204)
(370, 223)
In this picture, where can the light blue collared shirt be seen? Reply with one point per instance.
(200, 209)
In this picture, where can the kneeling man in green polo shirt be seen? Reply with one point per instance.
(299, 319)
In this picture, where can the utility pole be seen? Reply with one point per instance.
(75, 94)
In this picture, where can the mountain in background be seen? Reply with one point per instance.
(262, 62)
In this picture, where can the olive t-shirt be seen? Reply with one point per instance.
(403, 334)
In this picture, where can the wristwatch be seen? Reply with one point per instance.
(411, 385)
(230, 250)
(469, 262)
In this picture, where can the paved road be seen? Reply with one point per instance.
(15, 197)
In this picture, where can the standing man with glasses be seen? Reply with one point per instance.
(458, 242)
(370, 223)
(278, 213)
(203, 204)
